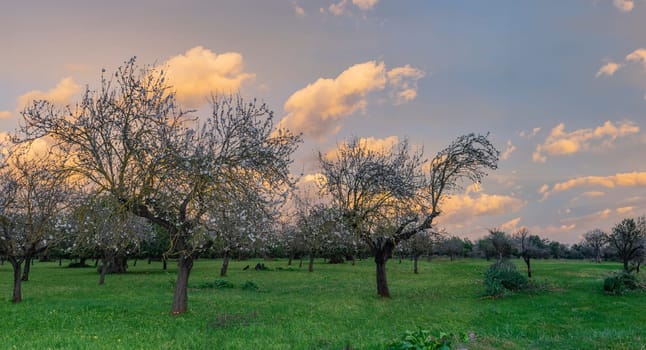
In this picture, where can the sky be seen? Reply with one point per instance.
(559, 85)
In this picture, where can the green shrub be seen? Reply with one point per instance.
(502, 277)
(422, 339)
(620, 283)
(221, 284)
(250, 285)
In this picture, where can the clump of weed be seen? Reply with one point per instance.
(217, 284)
(502, 278)
(423, 339)
(225, 320)
(621, 283)
(250, 285)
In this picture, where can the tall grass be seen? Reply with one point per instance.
(334, 307)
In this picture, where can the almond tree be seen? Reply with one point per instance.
(32, 194)
(103, 227)
(530, 247)
(374, 189)
(130, 140)
(597, 240)
(629, 239)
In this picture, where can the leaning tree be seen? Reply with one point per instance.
(385, 197)
(131, 141)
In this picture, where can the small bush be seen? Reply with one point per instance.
(620, 283)
(502, 277)
(221, 284)
(422, 339)
(250, 285)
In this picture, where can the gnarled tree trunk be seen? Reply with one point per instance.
(180, 298)
(382, 249)
(415, 260)
(311, 265)
(16, 264)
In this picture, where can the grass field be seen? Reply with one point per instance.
(332, 308)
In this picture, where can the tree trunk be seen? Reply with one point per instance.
(60, 261)
(17, 291)
(311, 265)
(300, 264)
(27, 268)
(105, 262)
(415, 260)
(383, 249)
(225, 264)
(626, 267)
(135, 263)
(353, 260)
(289, 262)
(164, 264)
(529, 267)
(180, 298)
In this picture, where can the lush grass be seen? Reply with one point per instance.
(331, 308)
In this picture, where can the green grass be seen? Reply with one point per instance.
(331, 308)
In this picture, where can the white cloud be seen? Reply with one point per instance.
(199, 72)
(61, 94)
(624, 5)
(403, 81)
(608, 69)
(508, 151)
(529, 134)
(318, 109)
(559, 142)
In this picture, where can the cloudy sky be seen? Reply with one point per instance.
(560, 85)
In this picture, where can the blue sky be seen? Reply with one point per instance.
(561, 85)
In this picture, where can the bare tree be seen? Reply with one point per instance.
(628, 239)
(530, 247)
(596, 240)
(500, 242)
(32, 195)
(377, 189)
(130, 140)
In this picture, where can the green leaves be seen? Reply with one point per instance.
(421, 339)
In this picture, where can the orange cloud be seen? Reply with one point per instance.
(624, 5)
(633, 179)
(341, 7)
(638, 56)
(199, 72)
(592, 194)
(60, 94)
(511, 225)
(318, 109)
(463, 207)
(559, 142)
(608, 69)
(5, 114)
(624, 210)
